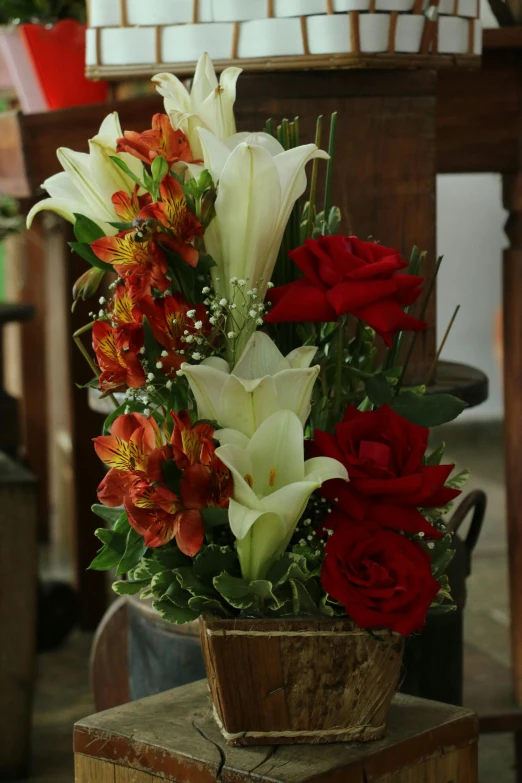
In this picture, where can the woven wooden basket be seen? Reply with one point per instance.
(132, 39)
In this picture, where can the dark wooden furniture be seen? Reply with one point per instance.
(18, 594)
(173, 736)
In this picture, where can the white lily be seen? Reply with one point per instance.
(209, 105)
(272, 485)
(261, 383)
(89, 180)
(258, 183)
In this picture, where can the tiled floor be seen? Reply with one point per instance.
(63, 692)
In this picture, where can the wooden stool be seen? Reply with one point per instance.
(173, 736)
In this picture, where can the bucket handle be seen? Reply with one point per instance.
(476, 501)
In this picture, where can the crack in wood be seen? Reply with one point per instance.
(271, 753)
(220, 750)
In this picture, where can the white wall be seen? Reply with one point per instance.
(470, 221)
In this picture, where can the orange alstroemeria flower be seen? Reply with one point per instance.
(191, 445)
(173, 214)
(129, 207)
(130, 257)
(169, 321)
(206, 485)
(126, 451)
(158, 527)
(206, 481)
(120, 369)
(162, 140)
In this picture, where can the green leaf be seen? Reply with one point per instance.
(123, 166)
(190, 581)
(235, 590)
(171, 558)
(200, 604)
(379, 391)
(430, 410)
(334, 220)
(87, 253)
(459, 481)
(205, 262)
(128, 587)
(214, 517)
(302, 601)
(168, 610)
(441, 609)
(86, 230)
(114, 544)
(134, 551)
(436, 456)
(122, 226)
(159, 168)
(109, 515)
(152, 347)
(213, 560)
(161, 582)
(177, 594)
(289, 566)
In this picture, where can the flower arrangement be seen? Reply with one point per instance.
(266, 457)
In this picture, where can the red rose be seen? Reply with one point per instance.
(344, 275)
(382, 579)
(383, 454)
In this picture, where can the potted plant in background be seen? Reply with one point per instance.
(268, 470)
(43, 46)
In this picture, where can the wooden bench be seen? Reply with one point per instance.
(173, 737)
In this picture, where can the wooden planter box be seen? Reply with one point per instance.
(299, 680)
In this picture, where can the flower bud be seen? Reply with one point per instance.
(88, 283)
(207, 206)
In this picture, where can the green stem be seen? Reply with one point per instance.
(329, 168)
(421, 315)
(338, 392)
(313, 181)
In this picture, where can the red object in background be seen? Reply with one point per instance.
(58, 57)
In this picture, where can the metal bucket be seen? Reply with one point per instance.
(433, 660)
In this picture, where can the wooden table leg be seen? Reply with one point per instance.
(513, 413)
(87, 468)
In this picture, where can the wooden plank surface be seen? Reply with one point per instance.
(175, 736)
(18, 592)
(307, 63)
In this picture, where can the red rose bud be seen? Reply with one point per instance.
(384, 456)
(344, 275)
(382, 579)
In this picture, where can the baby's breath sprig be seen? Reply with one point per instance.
(233, 318)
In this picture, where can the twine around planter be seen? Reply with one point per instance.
(225, 632)
(346, 733)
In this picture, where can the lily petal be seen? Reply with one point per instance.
(277, 453)
(261, 357)
(206, 384)
(249, 196)
(294, 390)
(323, 469)
(228, 436)
(300, 358)
(259, 547)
